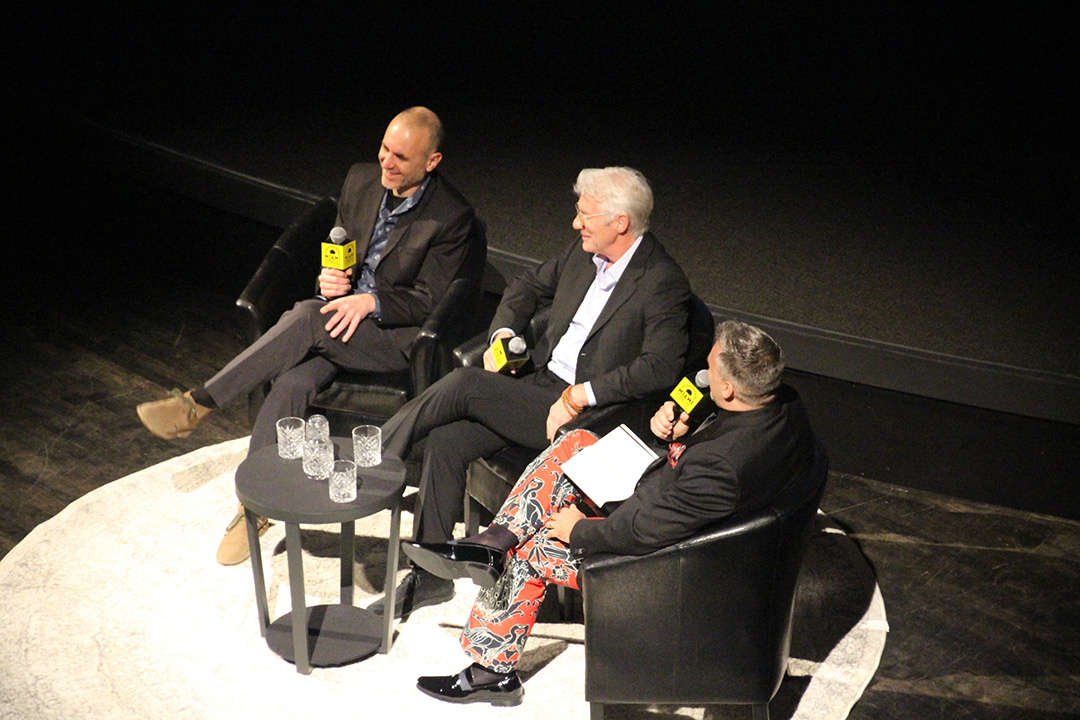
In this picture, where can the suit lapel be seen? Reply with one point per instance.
(369, 213)
(578, 277)
(404, 222)
(627, 285)
(399, 233)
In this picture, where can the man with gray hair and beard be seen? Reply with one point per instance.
(754, 448)
(617, 331)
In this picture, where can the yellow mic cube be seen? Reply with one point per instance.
(339, 257)
(686, 395)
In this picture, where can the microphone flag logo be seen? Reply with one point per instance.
(686, 395)
(339, 257)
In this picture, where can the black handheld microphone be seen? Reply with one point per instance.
(509, 353)
(338, 252)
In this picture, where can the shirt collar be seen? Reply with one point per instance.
(410, 202)
(608, 273)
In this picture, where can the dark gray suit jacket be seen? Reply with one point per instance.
(637, 345)
(737, 463)
(425, 251)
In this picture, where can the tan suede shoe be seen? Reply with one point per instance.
(174, 417)
(233, 549)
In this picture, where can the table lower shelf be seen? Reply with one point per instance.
(337, 635)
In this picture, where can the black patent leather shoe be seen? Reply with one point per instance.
(416, 590)
(481, 564)
(460, 689)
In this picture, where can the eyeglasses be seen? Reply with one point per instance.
(584, 216)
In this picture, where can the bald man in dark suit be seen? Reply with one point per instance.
(413, 231)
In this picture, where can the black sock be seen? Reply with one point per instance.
(202, 397)
(484, 676)
(496, 537)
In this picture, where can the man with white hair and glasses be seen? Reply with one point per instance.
(617, 331)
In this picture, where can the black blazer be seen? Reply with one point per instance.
(425, 251)
(637, 345)
(737, 463)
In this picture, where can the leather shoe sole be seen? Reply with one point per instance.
(481, 564)
(459, 689)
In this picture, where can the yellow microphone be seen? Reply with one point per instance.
(686, 394)
(509, 353)
(337, 252)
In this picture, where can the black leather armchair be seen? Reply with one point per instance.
(489, 480)
(289, 273)
(705, 621)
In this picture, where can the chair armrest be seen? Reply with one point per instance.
(289, 272)
(452, 320)
(537, 326)
(471, 352)
(724, 531)
(797, 505)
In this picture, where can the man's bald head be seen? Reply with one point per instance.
(424, 119)
(410, 150)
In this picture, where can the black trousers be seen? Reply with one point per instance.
(468, 414)
(301, 358)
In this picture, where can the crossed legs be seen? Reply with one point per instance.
(300, 358)
(469, 414)
(503, 616)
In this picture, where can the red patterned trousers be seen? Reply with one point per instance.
(503, 616)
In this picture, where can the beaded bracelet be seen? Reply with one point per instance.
(568, 403)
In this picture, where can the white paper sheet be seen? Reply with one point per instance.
(609, 469)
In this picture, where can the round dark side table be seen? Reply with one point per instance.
(327, 635)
